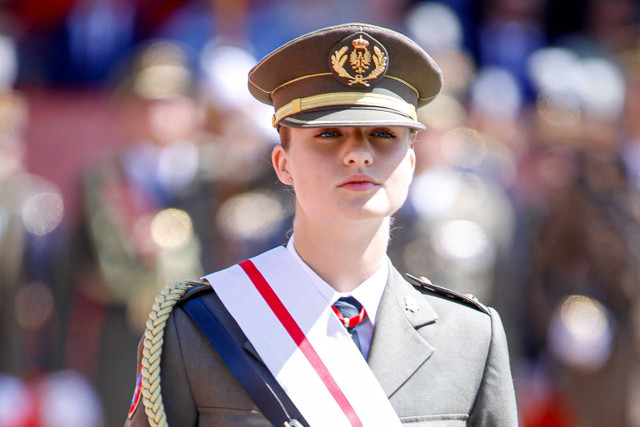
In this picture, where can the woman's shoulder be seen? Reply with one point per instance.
(459, 315)
(194, 289)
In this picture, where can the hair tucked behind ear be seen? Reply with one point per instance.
(285, 136)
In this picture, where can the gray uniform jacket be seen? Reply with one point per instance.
(441, 362)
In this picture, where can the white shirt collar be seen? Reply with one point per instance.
(368, 293)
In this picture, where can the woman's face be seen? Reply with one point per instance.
(347, 173)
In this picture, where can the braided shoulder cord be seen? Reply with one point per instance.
(152, 349)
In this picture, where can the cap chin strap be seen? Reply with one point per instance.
(337, 99)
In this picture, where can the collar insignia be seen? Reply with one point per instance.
(359, 60)
(411, 305)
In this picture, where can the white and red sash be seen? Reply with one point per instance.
(302, 342)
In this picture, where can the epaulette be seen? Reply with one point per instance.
(469, 299)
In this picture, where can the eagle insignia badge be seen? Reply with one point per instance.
(359, 60)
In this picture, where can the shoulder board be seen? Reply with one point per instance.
(469, 300)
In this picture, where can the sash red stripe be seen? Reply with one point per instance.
(300, 339)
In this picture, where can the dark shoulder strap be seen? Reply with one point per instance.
(226, 337)
(468, 299)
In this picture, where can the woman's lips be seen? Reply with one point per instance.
(358, 186)
(359, 183)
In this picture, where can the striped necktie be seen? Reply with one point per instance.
(350, 313)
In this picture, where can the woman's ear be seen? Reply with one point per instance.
(413, 138)
(281, 165)
(412, 159)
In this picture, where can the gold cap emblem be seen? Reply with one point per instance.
(367, 60)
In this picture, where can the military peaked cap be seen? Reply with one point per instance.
(347, 75)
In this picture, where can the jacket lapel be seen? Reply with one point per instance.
(397, 349)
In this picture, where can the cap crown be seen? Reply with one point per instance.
(363, 66)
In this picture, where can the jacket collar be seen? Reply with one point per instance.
(397, 349)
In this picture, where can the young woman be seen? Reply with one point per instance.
(337, 334)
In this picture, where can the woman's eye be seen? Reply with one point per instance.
(383, 134)
(328, 134)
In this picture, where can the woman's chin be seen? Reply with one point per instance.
(367, 212)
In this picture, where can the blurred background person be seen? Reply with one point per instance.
(144, 208)
(31, 229)
(525, 194)
(582, 283)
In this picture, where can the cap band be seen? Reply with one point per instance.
(309, 76)
(323, 100)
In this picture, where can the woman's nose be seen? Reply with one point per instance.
(358, 150)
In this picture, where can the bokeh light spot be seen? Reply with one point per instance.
(171, 228)
(34, 305)
(42, 213)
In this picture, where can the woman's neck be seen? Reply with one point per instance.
(343, 255)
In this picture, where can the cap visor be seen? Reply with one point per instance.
(354, 116)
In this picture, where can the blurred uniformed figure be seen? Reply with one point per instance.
(140, 203)
(32, 295)
(326, 330)
(457, 223)
(581, 228)
(146, 211)
(31, 210)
